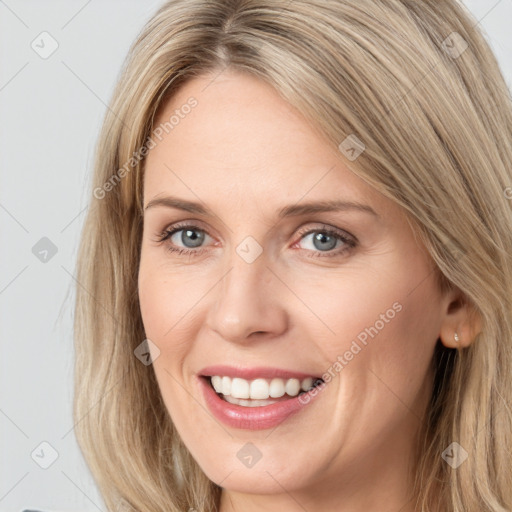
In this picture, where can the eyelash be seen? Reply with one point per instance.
(350, 243)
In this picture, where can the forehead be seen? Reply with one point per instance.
(242, 140)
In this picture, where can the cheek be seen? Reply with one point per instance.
(162, 305)
(349, 307)
(154, 303)
(169, 305)
(166, 299)
(386, 320)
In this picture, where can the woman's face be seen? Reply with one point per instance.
(347, 293)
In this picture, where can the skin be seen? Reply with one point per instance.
(245, 153)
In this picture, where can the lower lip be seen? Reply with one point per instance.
(254, 418)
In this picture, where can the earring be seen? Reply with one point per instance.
(457, 339)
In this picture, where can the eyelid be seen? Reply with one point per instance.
(175, 226)
(327, 228)
(178, 226)
(350, 240)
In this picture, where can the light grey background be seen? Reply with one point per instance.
(50, 115)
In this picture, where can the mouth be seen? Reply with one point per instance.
(260, 397)
(260, 392)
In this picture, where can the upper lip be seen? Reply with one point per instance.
(263, 372)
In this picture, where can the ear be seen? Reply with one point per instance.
(461, 322)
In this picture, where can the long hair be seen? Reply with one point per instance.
(417, 83)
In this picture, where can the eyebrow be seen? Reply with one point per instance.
(287, 211)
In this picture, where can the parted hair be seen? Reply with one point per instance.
(417, 83)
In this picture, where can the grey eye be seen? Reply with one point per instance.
(322, 241)
(191, 238)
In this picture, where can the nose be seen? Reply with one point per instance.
(248, 302)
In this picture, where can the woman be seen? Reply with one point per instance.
(296, 272)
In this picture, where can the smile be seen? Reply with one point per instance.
(259, 389)
(256, 402)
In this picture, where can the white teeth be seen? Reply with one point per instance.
(259, 389)
(249, 403)
(276, 389)
(217, 383)
(240, 388)
(226, 386)
(307, 384)
(292, 387)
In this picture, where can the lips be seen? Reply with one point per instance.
(254, 414)
(250, 415)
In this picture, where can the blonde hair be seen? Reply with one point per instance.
(436, 124)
